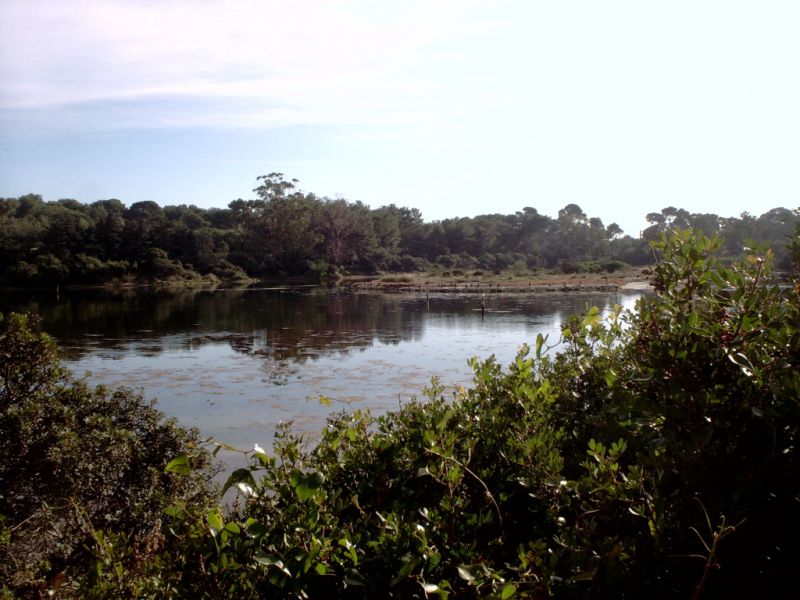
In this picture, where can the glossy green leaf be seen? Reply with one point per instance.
(215, 522)
(307, 485)
(508, 591)
(179, 465)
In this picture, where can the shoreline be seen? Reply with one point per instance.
(391, 284)
(550, 284)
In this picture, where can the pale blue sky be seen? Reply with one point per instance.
(456, 107)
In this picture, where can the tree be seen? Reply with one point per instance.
(109, 229)
(573, 238)
(531, 229)
(737, 232)
(572, 213)
(67, 229)
(386, 225)
(346, 230)
(613, 231)
(282, 224)
(707, 223)
(143, 222)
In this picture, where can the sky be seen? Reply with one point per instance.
(455, 107)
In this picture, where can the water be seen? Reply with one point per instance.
(234, 363)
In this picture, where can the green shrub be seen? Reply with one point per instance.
(76, 462)
(593, 266)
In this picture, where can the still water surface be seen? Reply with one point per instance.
(234, 363)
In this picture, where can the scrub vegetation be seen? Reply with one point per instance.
(654, 456)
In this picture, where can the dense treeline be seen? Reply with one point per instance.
(655, 456)
(285, 232)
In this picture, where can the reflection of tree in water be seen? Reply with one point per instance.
(82, 320)
(305, 327)
(280, 324)
(284, 326)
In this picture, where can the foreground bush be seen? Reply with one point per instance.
(655, 456)
(82, 480)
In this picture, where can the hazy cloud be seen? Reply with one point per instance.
(214, 62)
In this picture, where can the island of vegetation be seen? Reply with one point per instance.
(655, 456)
(286, 234)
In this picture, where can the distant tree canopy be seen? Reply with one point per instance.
(285, 232)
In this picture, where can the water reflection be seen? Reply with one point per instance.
(283, 324)
(234, 363)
